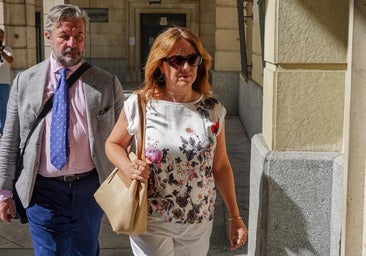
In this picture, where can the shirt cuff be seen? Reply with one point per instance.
(5, 194)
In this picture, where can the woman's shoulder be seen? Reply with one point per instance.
(210, 102)
(209, 106)
(130, 105)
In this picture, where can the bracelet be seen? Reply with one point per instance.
(235, 218)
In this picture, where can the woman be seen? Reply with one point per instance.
(186, 157)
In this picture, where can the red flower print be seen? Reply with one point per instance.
(215, 127)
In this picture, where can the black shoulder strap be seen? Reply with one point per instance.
(46, 108)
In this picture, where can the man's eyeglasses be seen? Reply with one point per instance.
(177, 61)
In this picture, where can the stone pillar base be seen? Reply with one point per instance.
(295, 202)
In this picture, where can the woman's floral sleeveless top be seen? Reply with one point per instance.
(180, 141)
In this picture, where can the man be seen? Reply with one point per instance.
(64, 218)
(6, 58)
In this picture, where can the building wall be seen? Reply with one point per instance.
(17, 19)
(106, 44)
(354, 215)
(251, 87)
(255, 48)
(109, 43)
(301, 103)
(138, 7)
(225, 77)
(297, 161)
(115, 45)
(207, 25)
(305, 54)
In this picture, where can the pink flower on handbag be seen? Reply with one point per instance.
(154, 155)
(215, 127)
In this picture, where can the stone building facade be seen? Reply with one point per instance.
(302, 102)
(121, 31)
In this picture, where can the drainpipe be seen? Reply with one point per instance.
(261, 8)
(243, 48)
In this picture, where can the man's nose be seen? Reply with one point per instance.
(71, 42)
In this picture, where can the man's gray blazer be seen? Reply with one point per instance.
(104, 100)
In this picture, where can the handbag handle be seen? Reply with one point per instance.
(140, 146)
(140, 143)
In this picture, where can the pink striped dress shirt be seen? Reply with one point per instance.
(80, 159)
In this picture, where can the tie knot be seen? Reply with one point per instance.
(62, 72)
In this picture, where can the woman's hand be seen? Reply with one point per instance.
(7, 210)
(139, 170)
(238, 233)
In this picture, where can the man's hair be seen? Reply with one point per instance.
(2, 31)
(65, 12)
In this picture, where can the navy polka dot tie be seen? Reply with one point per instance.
(59, 142)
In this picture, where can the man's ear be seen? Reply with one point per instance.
(47, 35)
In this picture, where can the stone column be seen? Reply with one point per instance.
(296, 163)
(354, 228)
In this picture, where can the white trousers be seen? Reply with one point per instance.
(172, 239)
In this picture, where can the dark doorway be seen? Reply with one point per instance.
(152, 24)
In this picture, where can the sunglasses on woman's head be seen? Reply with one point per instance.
(177, 61)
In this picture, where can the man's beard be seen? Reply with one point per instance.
(68, 61)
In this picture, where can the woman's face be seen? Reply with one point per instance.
(181, 75)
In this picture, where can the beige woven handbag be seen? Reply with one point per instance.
(123, 200)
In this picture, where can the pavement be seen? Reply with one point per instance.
(15, 239)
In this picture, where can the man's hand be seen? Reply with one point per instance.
(7, 210)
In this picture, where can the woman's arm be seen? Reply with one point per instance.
(116, 151)
(224, 181)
